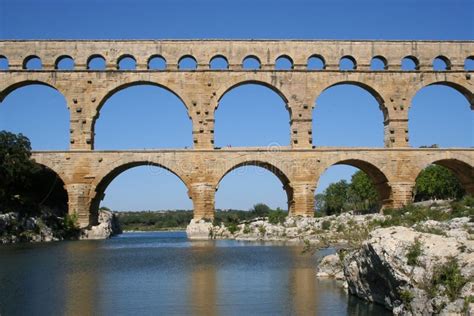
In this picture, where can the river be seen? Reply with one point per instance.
(163, 273)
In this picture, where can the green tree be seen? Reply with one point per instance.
(261, 210)
(16, 169)
(335, 197)
(437, 182)
(362, 193)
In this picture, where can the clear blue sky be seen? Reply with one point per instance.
(345, 115)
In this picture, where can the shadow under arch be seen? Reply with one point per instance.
(103, 182)
(125, 86)
(285, 181)
(463, 171)
(377, 96)
(379, 179)
(48, 189)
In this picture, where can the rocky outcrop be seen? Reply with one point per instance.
(414, 273)
(199, 230)
(15, 229)
(108, 226)
(331, 267)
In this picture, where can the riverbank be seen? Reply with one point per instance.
(418, 260)
(49, 227)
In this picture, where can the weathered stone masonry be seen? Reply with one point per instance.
(87, 172)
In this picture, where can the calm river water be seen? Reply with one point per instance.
(165, 274)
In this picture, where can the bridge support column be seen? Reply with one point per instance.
(203, 195)
(301, 199)
(396, 120)
(301, 123)
(402, 194)
(79, 202)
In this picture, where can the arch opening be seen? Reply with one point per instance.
(284, 62)
(378, 63)
(219, 62)
(264, 187)
(469, 63)
(187, 62)
(410, 63)
(354, 106)
(96, 62)
(251, 63)
(241, 117)
(64, 63)
(39, 112)
(127, 62)
(157, 62)
(444, 179)
(4, 63)
(316, 62)
(159, 119)
(352, 185)
(441, 63)
(142, 186)
(347, 63)
(32, 63)
(441, 116)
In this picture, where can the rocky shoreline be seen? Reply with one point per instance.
(410, 263)
(47, 228)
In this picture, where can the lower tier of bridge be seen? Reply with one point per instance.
(86, 174)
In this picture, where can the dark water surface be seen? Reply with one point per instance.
(165, 274)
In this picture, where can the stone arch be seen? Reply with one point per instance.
(446, 61)
(61, 58)
(460, 168)
(469, 95)
(366, 87)
(124, 56)
(190, 57)
(287, 58)
(126, 85)
(224, 90)
(250, 57)
(218, 56)
(30, 57)
(375, 173)
(23, 83)
(157, 57)
(102, 181)
(94, 56)
(281, 175)
(381, 59)
(349, 58)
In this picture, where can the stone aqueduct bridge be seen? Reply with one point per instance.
(394, 168)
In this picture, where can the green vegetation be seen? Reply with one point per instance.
(437, 182)
(167, 220)
(406, 296)
(447, 279)
(359, 195)
(414, 251)
(326, 225)
(411, 214)
(151, 221)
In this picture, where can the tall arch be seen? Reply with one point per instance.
(257, 109)
(38, 110)
(439, 115)
(271, 168)
(104, 181)
(376, 175)
(163, 116)
(463, 171)
(353, 105)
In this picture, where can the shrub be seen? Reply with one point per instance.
(232, 227)
(262, 230)
(246, 229)
(449, 276)
(414, 251)
(277, 217)
(326, 225)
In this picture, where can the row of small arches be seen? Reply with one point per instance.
(219, 62)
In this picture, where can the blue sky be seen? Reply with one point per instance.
(248, 115)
